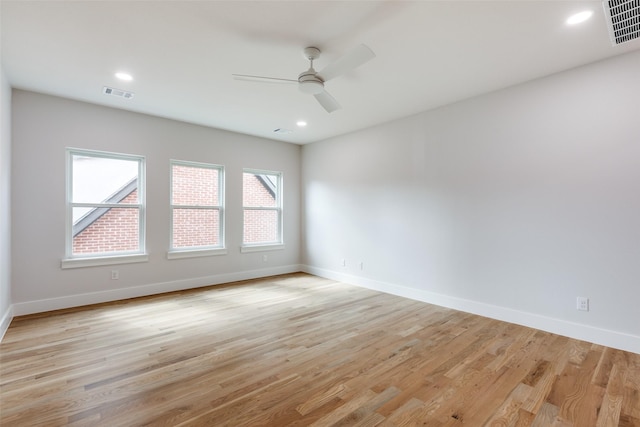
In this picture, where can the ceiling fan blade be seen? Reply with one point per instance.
(348, 62)
(262, 79)
(327, 101)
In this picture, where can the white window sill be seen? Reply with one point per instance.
(105, 260)
(193, 253)
(262, 248)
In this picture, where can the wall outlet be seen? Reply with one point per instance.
(265, 258)
(582, 304)
(115, 274)
(361, 265)
(344, 262)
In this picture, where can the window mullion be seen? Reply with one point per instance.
(262, 208)
(194, 207)
(106, 205)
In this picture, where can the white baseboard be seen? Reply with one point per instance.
(609, 338)
(39, 306)
(5, 321)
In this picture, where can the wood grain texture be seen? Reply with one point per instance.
(298, 350)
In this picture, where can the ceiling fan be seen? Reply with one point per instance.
(312, 81)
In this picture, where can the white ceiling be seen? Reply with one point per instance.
(182, 55)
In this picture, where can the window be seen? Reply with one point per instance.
(197, 214)
(105, 208)
(262, 209)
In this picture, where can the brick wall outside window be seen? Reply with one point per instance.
(255, 193)
(195, 186)
(259, 225)
(115, 231)
(195, 227)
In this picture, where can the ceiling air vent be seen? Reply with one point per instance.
(282, 131)
(624, 19)
(117, 92)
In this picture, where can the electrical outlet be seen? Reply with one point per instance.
(344, 262)
(361, 265)
(264, 258)
(115, 274)
(582, 303)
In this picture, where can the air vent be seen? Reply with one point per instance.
(624, 20)
(282, 131)
(117, 92)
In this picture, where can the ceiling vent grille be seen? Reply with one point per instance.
(624, 20)
(117, 92)
(282, 131)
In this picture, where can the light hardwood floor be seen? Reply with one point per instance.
(301, 350)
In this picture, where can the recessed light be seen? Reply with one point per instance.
(124, 76)
(301, 123)
(579, 17)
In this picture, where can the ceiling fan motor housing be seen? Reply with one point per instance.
(309, 82)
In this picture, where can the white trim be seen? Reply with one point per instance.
(606, 337)
(6, 321)
(194, 253)
(108, 260)
(39, 306)
(70, 152)
(261, 248)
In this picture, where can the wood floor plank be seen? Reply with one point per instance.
(523, 419)
(579, 400)
(299, 350)
(631, 403)
(508, 412)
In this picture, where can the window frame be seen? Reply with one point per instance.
(72, 260)
(198, 251)
(265, 246)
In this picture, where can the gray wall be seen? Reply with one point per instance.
(43, 126)
(510, 204)
(5, 203)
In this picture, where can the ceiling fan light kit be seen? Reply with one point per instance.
(312, 82)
